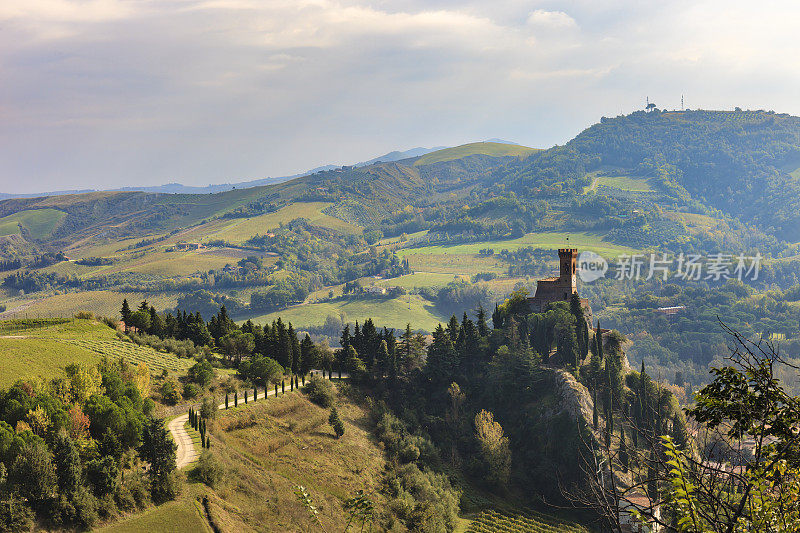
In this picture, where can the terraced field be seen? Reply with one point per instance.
(103, 303)
(133, 353)
(45, 351)
(527, 522)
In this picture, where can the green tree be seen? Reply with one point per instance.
(32, 474)
(336, 422)
(158, 449)
(67, 461)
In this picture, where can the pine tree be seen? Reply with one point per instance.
(483, 328)
(336, 423)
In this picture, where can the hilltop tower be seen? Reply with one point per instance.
(560, 288)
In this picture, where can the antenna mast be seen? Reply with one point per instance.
(682, 108)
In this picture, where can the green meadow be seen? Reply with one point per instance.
(553, 240)
(479, 148)
(39, 222)
(392, 312)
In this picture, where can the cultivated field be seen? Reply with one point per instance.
(44, 352)
(527, 522)
(103, 303)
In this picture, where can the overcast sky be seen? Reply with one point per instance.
(109, 93)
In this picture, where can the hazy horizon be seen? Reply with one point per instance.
(103, 94)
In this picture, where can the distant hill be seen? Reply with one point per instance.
(742, 163)
(179, 188)
(398, 156)
(493, 149)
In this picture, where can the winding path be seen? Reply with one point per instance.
(186, 453)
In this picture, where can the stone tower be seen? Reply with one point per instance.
(568, 258)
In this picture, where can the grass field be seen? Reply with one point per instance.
(44, 352)
(185, 516)
(552, 240)
(239, 230)
(451, 263)
(39, 222)
(104, 303)
(395, 313)
(694, 222)
(270, 447)
(420, 279)
(483, 148)
(22, 358)
(618, 181)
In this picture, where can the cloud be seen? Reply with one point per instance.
(551, 19)
(102, 93)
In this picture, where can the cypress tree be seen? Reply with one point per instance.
(283, 386)
(276, 390)
(255, 392)
(226, 400)
(126, 314)
(208, 442)
(245, 396)
(236, 398)
(599, 337)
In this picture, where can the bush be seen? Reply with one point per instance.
(84, 315)
(102, 474)
(337, 424)
(170, 391)
(320, 391)
(133, 490)
(202, 372)
(209, 470)
(190, 391)
(208, 409)
(15, 515)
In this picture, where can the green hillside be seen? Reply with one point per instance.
(480, 148)
(39, 223)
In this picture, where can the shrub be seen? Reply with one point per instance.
(208, 409)
(170, 391)
(190, 391)
(84, 315)
(15, 515)
(337, 424)
(202, 372)
(209, 470)
(320, 391)
(102, 474)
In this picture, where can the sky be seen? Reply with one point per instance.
(111, 93)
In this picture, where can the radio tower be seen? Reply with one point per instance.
(682, 108)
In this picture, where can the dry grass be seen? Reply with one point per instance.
(274, 445)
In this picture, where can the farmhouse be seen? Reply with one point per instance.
(560, 288)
